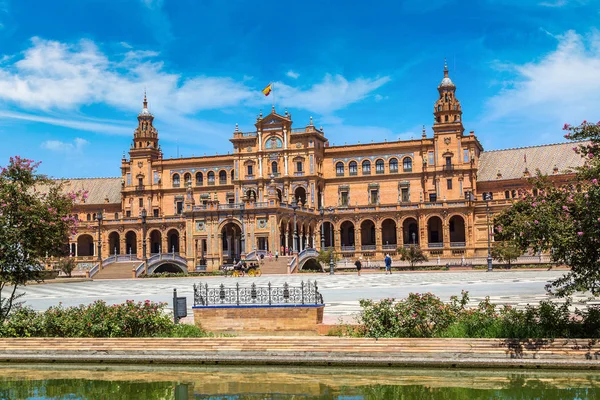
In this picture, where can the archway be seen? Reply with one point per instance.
(347, 234)
(114, 243)
(173, 241)
(457, 231)
(312, 265)
(279, 195)
(388, 234)
(231, 242)
(222, 177)
(328, 234)
(410, 231)
(131, 242)
(168, 268)
(435, 236)
(251, 194)
(85, 246)
(155, 242)
(367, 235)
(300, 195)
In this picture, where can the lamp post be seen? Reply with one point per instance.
(144, 215)
(322, 212)
(487, 196)
(295, 207)
(99, 219)
(243, 238)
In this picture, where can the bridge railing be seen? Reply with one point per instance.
(94, 270)
(166, 256)
(139, 269)
(306, 293)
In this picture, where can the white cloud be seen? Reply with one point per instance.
(563, 86)
(85, 124)
(292, 74)
(64, 147)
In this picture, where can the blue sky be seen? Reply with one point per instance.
(73, 72)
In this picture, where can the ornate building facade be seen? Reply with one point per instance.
(287, 189)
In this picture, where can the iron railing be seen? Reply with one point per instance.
(307, 293)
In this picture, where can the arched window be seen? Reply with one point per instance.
(407, 164)
(89, 217)
(199, 179)
(393, 165)
(366, 167)
(507, 194)
(210, 177)
(379, 168)
(116, 215)
(353, 168)
(187, 178)
(440, 108)
(176, 181)
(232, 176)
(222, 177)
(446, 118)
(339, 169)
(274, 168)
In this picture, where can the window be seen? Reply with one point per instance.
(432, 197)
(187, 178)
(465, 155)
(210, 177)
(128, 176)
(448, 161)
(141, 202)
(250, 170)
(128, 213)
(507, 194)
(274, 167)
(230, 200)
(116, 215)
(514, 194)
(366, 167)
(353, 168)
(439, 108)
(232, 176)
(141, 182)
(299, 166)
(89, 217)
(431, 160)
(339, 169)
(199, 179)
(155, 177)
(222, 178)
(379, 168)
(405, 197)
(374, 196)
(155, 213)
(176, 180)
(344, 198)
(407, 164)
(449, 184)
(446, 118)
(179, 207)
(393, 165)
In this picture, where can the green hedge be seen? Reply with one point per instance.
(425, 315)
(130, 319)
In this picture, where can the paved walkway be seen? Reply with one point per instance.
(341, 292)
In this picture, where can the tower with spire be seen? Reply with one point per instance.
(447, 111)
(145, 136)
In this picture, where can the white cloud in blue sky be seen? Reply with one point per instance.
(73, 83)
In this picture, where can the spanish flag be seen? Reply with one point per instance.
(267, 91)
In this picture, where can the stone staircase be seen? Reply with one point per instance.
(117, 270)
(275, 267)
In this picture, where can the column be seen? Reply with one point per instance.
(287, 237)
(399, 236)
(338, 243)
(285, 165)
(75, 249)
(314, 240)
(259, 140)
(285, 141)
(260, 170)
(378, 238)
(164, 248)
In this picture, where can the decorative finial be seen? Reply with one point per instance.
(260, 114)
(286, 112)
(145, 100)
(311, 120)
(236, 127)
(273, 109)
(424, 134)
(445, 68)
(123, 155)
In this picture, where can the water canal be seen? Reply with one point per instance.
(236, 383)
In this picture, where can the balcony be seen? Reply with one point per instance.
(139, 188)
(339, 174)
(250, 177)
(299, 173)
(211, 183)
(222, 181)
(448, 167)
(393, 170)
(436, 245)
(353, 173)
(458, 244)
(367, 247)
(379, 171)
(366, 172)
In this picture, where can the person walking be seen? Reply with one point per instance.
(270, 256)
(358, 265)
(388, 264)
(276, 255)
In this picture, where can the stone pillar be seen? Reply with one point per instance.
(337, 233)
(399, 236)
(285, 165)
(357, 238)
(123, 245)
(378, 238)
(164, 247)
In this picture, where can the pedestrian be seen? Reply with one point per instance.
(287, 251)
(276, 255)
(270, 256)
(358, 265)
(388, 264)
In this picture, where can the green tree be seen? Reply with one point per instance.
(563, 220)
(506, 251)
(413, 254)
(67, 265)
(34, 224)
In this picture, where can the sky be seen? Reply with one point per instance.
(73, 72)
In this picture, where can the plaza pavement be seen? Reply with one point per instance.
(341, 292)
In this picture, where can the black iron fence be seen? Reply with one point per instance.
(307, 293)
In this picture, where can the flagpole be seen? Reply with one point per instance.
(273, 98)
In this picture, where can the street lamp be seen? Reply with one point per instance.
(243, 238)
(322, 212)
(99, 219)
(295, 207)
(487, 196)
(144, 215)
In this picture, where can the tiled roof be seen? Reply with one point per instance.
(98, 189)
(511, 163)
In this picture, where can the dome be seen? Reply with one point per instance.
(446, 82)
(145, 113)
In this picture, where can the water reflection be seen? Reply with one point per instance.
(250, 383)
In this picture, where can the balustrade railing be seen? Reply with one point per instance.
(307, 294)
(94, 270)
(166, 256)
(139, 269)
(368, 247)
(458, 244)
(435, 245)
(293, 264)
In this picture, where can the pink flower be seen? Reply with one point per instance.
(534, 204)
(590, 155)
(595, 181)
(565, 208)
(567, 126)
(536, 222)
(580, 233)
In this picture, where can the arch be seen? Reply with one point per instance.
(222, 177)
(407, 164)
(328, 234)
(347, 234)
(279, 195)
(173, 241)
(300, 195)
(88, 217)
(339, 168)
(457, 230)
(131, 243)
(393, 165)
(155, 241)
(353, 168)
(251, 194)
(167, 267)
(199, 179)
(176, 180)
(435, 234)
(310, 264)
(114, 243)
(210, 177)
(232, 176)
(85, 245)
(231, 241)
(274, 169)
(410, 231)
(187, 179)
(366, 167)
(367, 233)
(379, 166)
(388, 232)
